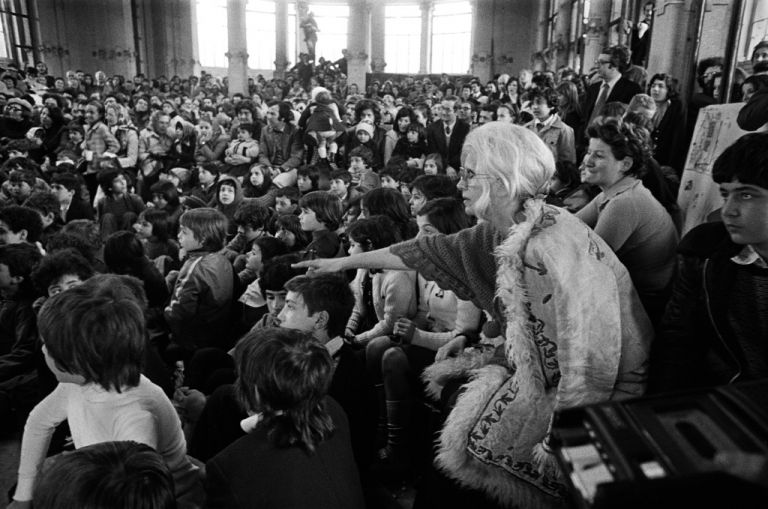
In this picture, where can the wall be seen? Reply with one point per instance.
(504, 37)
(87, 34)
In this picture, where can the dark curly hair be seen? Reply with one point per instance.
(746, 160)
(669, 81)
(625, 140)
(374, 232)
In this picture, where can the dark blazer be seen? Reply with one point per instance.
(451, 154)
(623, 91)
(668, 138)
(252, 472)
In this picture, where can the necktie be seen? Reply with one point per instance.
(600, 102)
(447, 130)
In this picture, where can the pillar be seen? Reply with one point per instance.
(377, 37)
(238, 47)
(482, 39)
(358, 43)
(596, 32)
(426, 36)
(675, 25)
(281, 44)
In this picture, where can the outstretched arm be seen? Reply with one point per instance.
(379, 259)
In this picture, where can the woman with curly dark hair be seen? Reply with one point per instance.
(299, 435)
(625, 214)
(668, 122)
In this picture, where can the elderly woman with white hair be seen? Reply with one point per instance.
(573, 329)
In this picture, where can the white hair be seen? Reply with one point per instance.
(513, 154)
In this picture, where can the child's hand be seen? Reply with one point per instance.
(404, 328)
(452, 348)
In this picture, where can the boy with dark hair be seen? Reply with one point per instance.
(60, 271)
(67, 187)
(360, 167)
(121, 475)
(118, 209)
(341, 186)
(207, 176)
(94, 342)
(251, 219)
(287, 201)
(715, 329)
(199, 310)
(321, 215)
(20, 224)
(548, 125)
(20, 185)
(47, 205)
(322, 305)
(18, 331)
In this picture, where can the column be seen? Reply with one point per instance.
(482, 39)
(358, 43)
(238, 47)
(426, 36)
(596, 32)
(675, 25)
(281, 43)
(377, 37)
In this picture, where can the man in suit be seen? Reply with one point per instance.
(611, 63)
(446, 136)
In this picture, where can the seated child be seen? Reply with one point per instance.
(321, 215)
(18, 331)
(94, 340)
(288, 229)
(198, 313)
(341, 186)
(18, 187)
(262, 249)
(364, 132)
(152, 229)
(391, 292)
(287, 201)
(120, 475)
(165, 196)
(20, 225)
(118, 209)
(47, 205)
(258, 183)
(68, 189)
(268, 291)
(360, 166)
(242, 151)
(227, 198)
(433, 164)
(251, 221)
(413, 146)
(313, 178)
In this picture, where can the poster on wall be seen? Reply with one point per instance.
(699, 195)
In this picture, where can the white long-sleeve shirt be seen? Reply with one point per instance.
(142, 414)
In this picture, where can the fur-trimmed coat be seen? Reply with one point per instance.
(575, 333)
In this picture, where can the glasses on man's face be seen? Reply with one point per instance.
(602, 62)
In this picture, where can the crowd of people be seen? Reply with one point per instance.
(279, 297)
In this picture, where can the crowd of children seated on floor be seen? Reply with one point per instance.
(150, 231)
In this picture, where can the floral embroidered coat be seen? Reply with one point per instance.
(575, 333)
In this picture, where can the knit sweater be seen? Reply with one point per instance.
(394, 297)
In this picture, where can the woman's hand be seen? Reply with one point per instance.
(404, 329)
(321, 265)
(452, 348)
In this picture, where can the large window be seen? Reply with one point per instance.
(212, 32)
(332, 30)
(17, 42)
(402, 29)
(259, 32)
(451, 37)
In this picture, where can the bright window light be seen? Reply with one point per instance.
(332, 30)
(451, 37)
(402, 46)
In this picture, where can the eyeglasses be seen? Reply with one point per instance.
(601, 62)
(467, 174)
